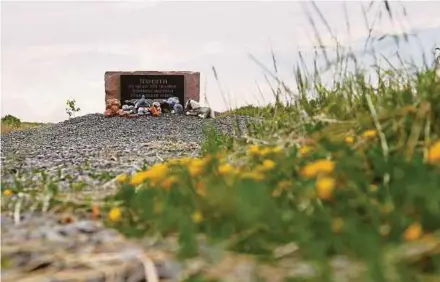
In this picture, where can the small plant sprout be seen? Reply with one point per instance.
(71, 108)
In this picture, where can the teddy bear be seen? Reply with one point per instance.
(113, 108)
(155, 109)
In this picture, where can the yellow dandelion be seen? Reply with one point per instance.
(139, 177)
(155, 173)
(434, 153)
(413, 232)
(114, 214)
(225, 169)
(325, 187)
(121, 178)
(349, 140)
(200, 188)
(159, 170)
(265, 151)
(253, 150)
(337, 225)
(317, 167)
(267, 165)
(277, 149)
(197, 217)
(304, 150)
(195, 168)
(168, 182)
(7, 192)
(371, 133)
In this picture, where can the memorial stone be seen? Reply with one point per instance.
(154, 85)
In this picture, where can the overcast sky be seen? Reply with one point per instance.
(57, 50)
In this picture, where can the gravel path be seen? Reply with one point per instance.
(89, 145)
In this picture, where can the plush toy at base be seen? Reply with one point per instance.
(177, 109)
(164, 106)
(142, 102)
(141, 107)
(173, 101)
(129, 109)
(113, 108)
(167, 105)
(143, 111)
(155, 109)
(193, 108)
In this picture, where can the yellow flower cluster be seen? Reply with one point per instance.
(196, 166)
(413, 232)
(322, 166)
(255, 150)
(114, 214)
(225, 169)
(325, 185)
(7, 192)
(266, 165)
(349, 140)
(155, 174)
(369, 134)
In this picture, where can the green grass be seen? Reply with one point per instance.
(8, 127)
(356, 178)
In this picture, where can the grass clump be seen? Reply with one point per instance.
(11, 123)
(360, 184)
(332, 183)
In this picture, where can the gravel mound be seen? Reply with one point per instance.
(89, 145)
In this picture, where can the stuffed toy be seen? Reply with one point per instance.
(155, 109)
(177, 109)
(142, 102)
(193, 108)
(173, 100)
(165, 106)
(113, 108)
(142, 111)
(128, 109)
(175, 105)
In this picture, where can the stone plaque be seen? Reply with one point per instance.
(152, 86)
